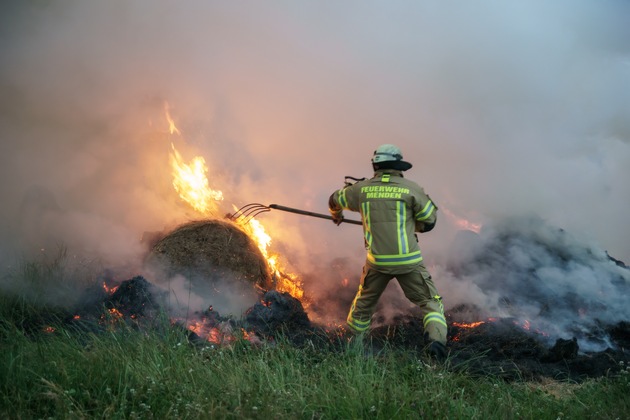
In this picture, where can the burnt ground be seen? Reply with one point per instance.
(499, 348)
(502, 348)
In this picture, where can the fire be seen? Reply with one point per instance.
(285, 282)
(189, 179)
(191, 183)
(468, 325)
(172, 128)
(461, 222)
(526, 325)
(115, 313)
(109, 290)
(211, 334)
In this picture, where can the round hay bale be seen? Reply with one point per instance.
(211, 252)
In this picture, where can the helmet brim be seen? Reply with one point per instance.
(398, 165)
(404, 166)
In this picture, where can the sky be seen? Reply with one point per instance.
(505, 109)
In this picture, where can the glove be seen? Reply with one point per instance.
(337, 217)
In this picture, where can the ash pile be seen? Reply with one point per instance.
(532, 272)
(138, 303)
(135, 302)
(534, 302)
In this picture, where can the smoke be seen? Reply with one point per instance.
(186, 296)
(534, 273)
(504, 110)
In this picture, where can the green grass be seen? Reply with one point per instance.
(124, 372)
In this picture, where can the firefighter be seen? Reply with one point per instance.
(393, 209)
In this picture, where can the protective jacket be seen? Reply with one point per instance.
(392, 209)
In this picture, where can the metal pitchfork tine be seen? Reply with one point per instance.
(248, 212)
(252, 210)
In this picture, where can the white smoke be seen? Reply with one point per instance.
(504, 109)
(186, 299)
(525, 269)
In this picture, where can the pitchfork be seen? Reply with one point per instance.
(249, 211)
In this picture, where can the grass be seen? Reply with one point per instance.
(128, 373)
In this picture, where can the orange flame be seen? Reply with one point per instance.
(172, 128)
(211, 334)
(190, 181)
(115, 313)
(469, 324)
(285, 282)
(109, 290)
(460, 222)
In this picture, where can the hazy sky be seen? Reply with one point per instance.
(504, 108)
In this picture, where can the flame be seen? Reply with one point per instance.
(461, 222)
(211, 333)
(172, 128)
(190, 181)
(109, 290)
(115, 313)
(469, 324)
(285, 282)
(525, 325)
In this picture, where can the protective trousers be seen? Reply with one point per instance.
(417, 286)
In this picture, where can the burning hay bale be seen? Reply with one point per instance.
(209, 251)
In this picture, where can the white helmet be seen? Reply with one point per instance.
(388, 156)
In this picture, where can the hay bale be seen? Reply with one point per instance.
(209, 252)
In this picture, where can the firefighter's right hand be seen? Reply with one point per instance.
(337, 217)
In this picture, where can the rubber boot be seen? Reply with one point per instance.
(437, 351)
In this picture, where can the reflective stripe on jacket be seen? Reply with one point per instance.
(392, 209)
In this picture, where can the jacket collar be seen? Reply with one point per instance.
(392, 172)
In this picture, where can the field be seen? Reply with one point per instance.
(50, 369)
